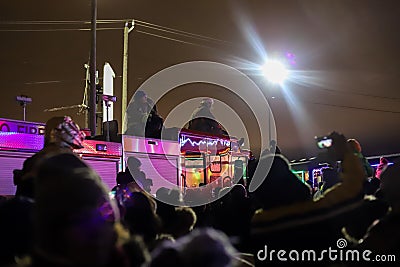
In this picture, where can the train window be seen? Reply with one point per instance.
(215, 164)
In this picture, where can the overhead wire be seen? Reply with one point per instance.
(183, 32)
(353, 107)
(339, 106)
(51, 81)
(172, 39)
(137, 22)
(151, 26)
(355, 93)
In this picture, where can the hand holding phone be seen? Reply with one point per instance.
(335, 143)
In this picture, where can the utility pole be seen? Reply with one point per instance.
(92, 98)
(124, 102)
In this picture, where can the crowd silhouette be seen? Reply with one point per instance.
(68, 217)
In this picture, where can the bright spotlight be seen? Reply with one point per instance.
(275, 72)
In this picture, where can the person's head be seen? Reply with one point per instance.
(74, 217)
(133, 164)
(281, 186)
(63, 131)
(140, 97)
(383, 163)
(141, 217)
(184, 220)
(162, 193)
(174, 195)
(355, 145)
(124, 178)
(273, 148)
(227, 181)
(207, 102)
(207, 247)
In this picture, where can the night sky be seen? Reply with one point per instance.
(347, 69)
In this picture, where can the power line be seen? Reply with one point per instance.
(342, 106)
(151, 26)
(358, 94)
(168, 31)
(172, 31)
(145, 25)
(52, 81)
(138, 22)
(18, 83)
(352, 107)
(184, 32)
(44, 82)
(321, 88)
(58, 30)
(173, 39)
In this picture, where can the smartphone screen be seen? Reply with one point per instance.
(324, 143)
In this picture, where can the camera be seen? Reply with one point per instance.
(324, 142)
(332, 148)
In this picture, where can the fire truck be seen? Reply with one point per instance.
(188, 160)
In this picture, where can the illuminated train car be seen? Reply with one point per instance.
(206, 159)
(193, 160)
(159, 159)
(311, 171)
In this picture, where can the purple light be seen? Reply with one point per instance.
(209, 144)
(291, 58)
(21, 141)
(183, 141)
